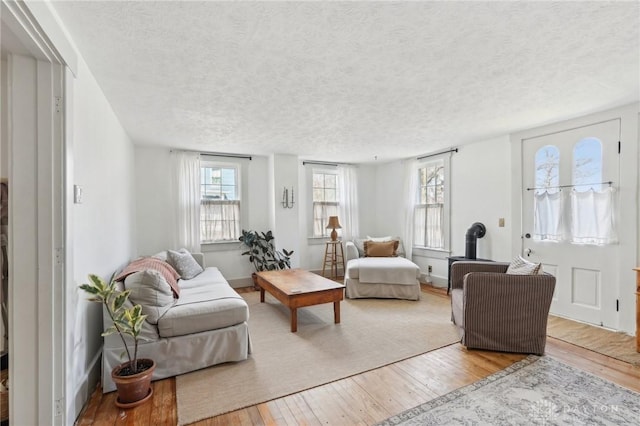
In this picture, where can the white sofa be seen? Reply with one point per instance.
(380, 277)
(206, 325)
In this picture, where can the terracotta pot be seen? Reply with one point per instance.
(134, 389)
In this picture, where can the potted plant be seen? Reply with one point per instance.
(263, 254)
(133, 377)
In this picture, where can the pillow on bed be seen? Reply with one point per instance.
(380, 249)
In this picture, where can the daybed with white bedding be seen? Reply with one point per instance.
(393, 277)
(204, 326)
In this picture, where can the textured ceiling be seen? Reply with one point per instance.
(350, 81)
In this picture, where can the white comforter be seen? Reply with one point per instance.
(387, 270)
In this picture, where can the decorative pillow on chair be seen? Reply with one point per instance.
(184, 263)
(380, 249)
(521, 266)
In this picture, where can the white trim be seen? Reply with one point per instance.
(628, 210)
(36, 166)
(424, 251)
(53, 31)
(242, 175)
(328, 169)
(72, 408)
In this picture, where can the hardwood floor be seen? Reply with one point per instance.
(365, 398)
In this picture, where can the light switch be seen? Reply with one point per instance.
(501, 222)
(77, 194)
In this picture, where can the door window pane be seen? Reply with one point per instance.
(547, 169)
(587, 165)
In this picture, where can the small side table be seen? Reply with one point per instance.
(333, 258)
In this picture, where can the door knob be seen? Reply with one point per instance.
(528, 252)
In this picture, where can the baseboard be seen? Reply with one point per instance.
(241, 282)
(435, 281)
(85, 388)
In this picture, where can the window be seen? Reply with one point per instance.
(325, 200)
(547, 169)
(429, 215)
(548, 216)
(219, 202)
(587, 165)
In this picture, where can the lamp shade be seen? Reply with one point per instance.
(333, 223)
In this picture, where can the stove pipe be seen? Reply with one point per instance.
(476, 231)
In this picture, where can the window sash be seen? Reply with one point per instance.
(321, 212)
(429, 226)
(219, 220)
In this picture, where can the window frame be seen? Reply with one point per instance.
(327, 170)
(427, 251)
(241, 187)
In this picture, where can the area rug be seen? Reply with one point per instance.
(372, 333)
(534, 391)
(617, 345)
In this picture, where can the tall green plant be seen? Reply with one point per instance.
(262, 252)
(124, 321)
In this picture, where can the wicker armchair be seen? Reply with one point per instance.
(497, 311)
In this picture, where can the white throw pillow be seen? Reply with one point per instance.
(184, 263)
(150, 290)
(379, 239)
(521, 266)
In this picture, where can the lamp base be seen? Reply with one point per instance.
(334, 235)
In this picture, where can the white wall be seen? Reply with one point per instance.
(367, 196)
(267, 177)
(388, 193)
(480, 192)
(154, 211)
(103, 225)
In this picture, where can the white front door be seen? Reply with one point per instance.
(567, 213)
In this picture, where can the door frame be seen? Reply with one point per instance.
(38, 165)
(628, 240)
(569, 258)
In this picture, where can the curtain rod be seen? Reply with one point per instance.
(322, 163)
(571, 186)
(215, 154)
(437, 153)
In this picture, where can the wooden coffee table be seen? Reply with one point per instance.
(296, 288)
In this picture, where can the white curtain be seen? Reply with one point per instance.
(410, 192)
(429, 225)
(547, 216)
(348, 207)
(186, 199)
(321, 212)
(592, 217)
(219, 220)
